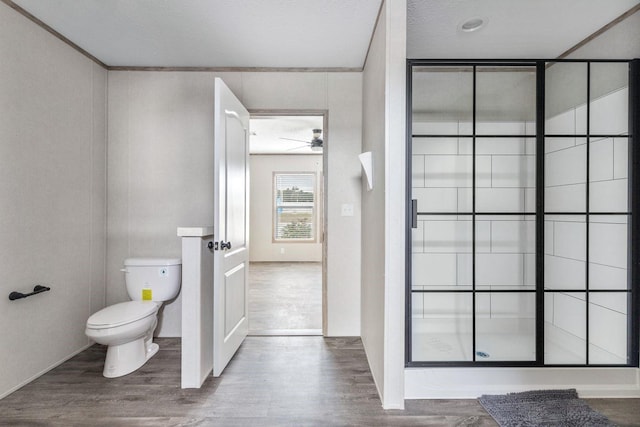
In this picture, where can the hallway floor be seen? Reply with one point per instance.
(272, 381)
(285, 298)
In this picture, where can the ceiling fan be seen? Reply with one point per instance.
(315, 144)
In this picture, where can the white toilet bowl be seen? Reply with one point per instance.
(127, 329)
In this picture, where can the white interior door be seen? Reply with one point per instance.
(231, 226)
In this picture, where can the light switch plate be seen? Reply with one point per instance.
(347, 209)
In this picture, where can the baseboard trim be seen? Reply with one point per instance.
(471, 383)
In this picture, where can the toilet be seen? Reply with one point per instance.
(127, 327)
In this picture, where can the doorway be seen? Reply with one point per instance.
(286, 286)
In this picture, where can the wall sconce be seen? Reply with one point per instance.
(366, 159)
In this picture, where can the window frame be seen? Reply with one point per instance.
(313, 206)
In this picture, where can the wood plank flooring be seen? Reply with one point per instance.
(272, 381)
(285, 298)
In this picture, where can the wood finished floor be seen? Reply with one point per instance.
(285, 298)
(272, 381)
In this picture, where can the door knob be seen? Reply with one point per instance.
(225, 245)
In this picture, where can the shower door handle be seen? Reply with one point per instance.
(414, 213)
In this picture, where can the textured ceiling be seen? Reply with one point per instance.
(514, 28)
(314, 33)
(215, 33)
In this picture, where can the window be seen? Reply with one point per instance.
(294, 197)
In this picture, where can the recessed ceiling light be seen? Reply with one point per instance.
(472, 24)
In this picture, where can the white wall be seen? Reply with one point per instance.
(263, 248)
(619, 42)
(53, 192)
(161, 169)
(383, 215)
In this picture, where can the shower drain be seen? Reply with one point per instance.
(482, 354)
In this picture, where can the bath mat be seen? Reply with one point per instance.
(542, 408)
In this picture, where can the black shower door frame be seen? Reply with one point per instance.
(632, 214)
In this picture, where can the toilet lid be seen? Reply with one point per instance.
(122, 313)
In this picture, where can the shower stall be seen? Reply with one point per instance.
(523, 224)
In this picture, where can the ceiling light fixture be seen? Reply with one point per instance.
(472, 24)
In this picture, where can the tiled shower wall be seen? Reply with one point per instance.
(566, 235)
(505, 245)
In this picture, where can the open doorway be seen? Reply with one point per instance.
(287, 223)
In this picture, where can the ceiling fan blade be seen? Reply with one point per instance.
(298, 140)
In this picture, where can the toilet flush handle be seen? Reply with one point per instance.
(124, 270)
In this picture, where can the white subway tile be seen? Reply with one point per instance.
(569, 313)
(513, 236)
(530, 199)
(483, 235)
(465, 128)
(448, 171)
(561, 124)
(464, 198)
(605, 277)
(529, 269)
(513, 171)
(581, 120)
(434, 269)
(500, 128)
(608, 244)
(555, 144)
(464, 269)
(530, 128)
(570, 240)
(563, 273)
(566, 166)
(417, 305)
(549, 299)
(483, 171)
(620, 158)
(616, 301)
(465, 146)
(499, 200)
(601, 160)
(516, 306)
(452, 305)
(436, 199)
(434, 128)
(607, 330)
(566, 198)
(417, 171)
(500, 146)
(434, 145)
(549, 237)
(499, 269)
(610, 114)
(609, 196)
(447, 236)
(530, 146)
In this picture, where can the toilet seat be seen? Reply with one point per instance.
(121, 314)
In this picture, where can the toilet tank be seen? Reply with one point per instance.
(157, 279)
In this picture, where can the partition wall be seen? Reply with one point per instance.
(523, 224)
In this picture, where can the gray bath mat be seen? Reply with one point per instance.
(542, 408)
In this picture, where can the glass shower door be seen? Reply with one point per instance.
(473, 187)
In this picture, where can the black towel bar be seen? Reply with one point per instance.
(38, 289)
